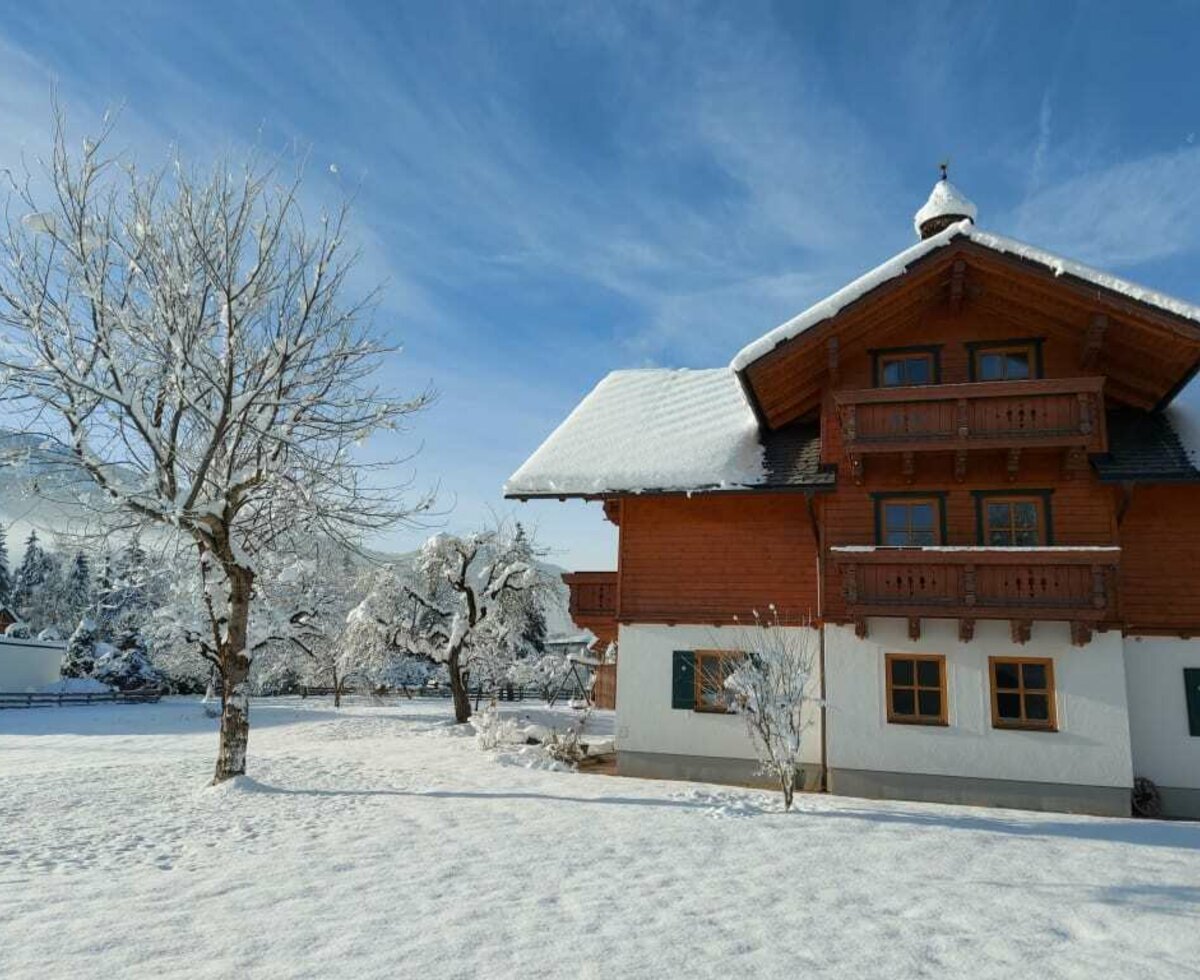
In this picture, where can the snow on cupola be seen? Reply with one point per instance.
(946, 205)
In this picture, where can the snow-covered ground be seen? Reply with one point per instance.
(381, 842)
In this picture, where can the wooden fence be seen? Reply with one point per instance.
(16, 699)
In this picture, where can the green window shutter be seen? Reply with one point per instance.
(683, 679)
(1191, 685)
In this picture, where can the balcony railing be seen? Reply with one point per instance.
(1073, 584)
(593, 603)
(1065, 413)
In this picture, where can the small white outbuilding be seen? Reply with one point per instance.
(27, 665)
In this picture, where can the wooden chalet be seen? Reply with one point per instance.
(971, 470)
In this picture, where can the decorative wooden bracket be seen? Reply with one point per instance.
(856, 468)
(1074, 463)
(1099, 587)
(1081, 634)
(860, 627)
(914, 628)
(908, 466)
(1093, 342)
(960, 465)
(1022, 630)
(958, 282)
(966, 630)
(1014, 463)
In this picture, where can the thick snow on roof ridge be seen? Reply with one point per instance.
(898, 264)
(945, 199)
(649, 429)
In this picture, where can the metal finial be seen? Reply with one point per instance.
(944, 167)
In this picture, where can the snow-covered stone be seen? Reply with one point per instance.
(649, 430)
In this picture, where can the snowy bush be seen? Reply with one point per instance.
(774, 688)
(19, 631)
(125, 665)
(493, 730)
(50, 635)
(566, 744)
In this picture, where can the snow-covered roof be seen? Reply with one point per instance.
(651, 429)
(899, 264)
(945, 200)
(1183, 414)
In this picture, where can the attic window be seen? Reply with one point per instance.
(1017, 360)
(905, 366)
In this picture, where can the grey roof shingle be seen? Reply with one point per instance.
(1144, 447)
(792, 458)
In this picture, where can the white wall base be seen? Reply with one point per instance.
(1091, 747)
(1163, 749)
(646, 723)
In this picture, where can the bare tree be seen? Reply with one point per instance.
(775, 688)
(189, 344)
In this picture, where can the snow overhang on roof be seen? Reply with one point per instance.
(899, 264)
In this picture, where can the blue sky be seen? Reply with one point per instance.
(552, 191)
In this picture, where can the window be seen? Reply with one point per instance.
(908, 522)
(1013, 521)
(916, 689)
(1191, 691)
(906, 367)
(1022, 693)
(1008, 361)
(712, 669)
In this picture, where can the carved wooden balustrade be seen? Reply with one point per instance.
(1062, 413)
(1018, 584)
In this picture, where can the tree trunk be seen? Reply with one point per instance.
(235, 672)
(458, 689)
(337, 689)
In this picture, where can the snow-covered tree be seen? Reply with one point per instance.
(775, 687)
(188, 342)
(462, 604)
(77, 590)
(80, 657)
(126, 664)
(30, 576)
(6, 579)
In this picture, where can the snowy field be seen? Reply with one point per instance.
(380, 842)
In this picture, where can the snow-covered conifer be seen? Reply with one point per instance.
(80, 657)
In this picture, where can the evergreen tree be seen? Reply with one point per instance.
(80, 659)
(6, 580)
(126, 665)
(31, 575)
(77, 593)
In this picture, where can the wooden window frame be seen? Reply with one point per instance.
(930, 352)
(936, 497)
(1045, 515)
(940, 720)
(1029, 345)
(721, 656)
(1051, 692)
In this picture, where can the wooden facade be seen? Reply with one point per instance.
(1019, 369)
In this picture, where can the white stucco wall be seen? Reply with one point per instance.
(645, 720)
(1091, 747)
(1162, 748)
(27, 664)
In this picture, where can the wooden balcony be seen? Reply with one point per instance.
(1077, 585)
(1060, 413)
(593, 602)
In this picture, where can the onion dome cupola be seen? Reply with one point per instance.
(946, 206)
